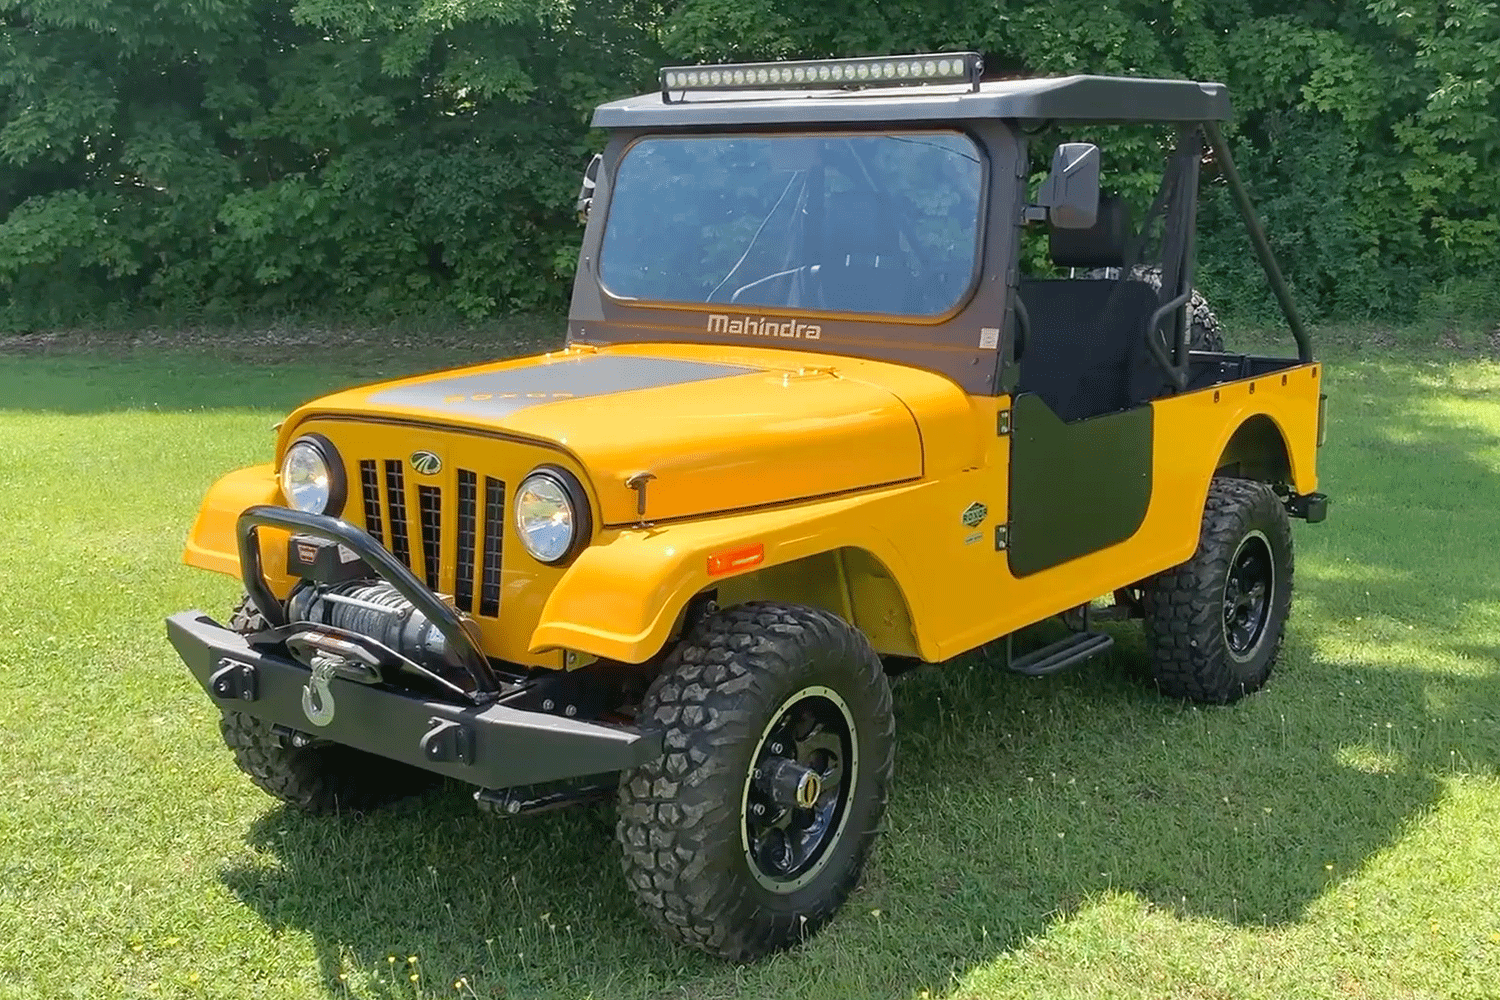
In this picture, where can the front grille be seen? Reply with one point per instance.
(478, 543)
(494, 535)
(369, 480)
(463, 577)
(430, 506)
(395, 502)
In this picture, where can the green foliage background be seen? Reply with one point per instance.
(216, 159)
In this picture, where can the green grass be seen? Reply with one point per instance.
(1337, 835)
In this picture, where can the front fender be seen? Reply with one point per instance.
(621, 598)
(212, 544)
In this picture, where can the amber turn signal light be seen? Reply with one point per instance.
(727, 562)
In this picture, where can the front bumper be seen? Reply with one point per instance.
(492, 746)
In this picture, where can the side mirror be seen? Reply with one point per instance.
(1070, 194)
(590, 181)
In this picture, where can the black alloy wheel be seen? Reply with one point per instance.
(797, 792)
(1247, 595)
(749, 832)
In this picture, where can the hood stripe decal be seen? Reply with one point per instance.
(501, 393)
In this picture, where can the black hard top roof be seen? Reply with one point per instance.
(1103, 99)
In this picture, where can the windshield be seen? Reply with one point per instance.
(883, 223)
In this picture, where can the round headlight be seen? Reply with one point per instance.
(552, 515)
(312, 480)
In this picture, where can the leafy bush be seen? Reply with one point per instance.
(329, 155)
(212, 157)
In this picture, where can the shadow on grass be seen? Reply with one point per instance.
(1017, 802)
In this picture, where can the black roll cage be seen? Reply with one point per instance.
(1021, 107)
(1258, 239)
(1176, 202)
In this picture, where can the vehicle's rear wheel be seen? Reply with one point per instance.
(751, 830)
(1215, 624)
(318, 777)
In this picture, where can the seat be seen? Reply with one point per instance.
(1085, 353)
(862, 267)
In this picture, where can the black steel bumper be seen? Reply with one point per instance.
(491, 746)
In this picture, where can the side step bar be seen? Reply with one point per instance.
(1060, 655)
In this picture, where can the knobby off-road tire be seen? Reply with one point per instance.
(688, 822)
(1215, 624)
(319, 778)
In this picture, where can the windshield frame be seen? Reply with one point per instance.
(976, 145)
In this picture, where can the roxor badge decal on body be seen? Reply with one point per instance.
(975, 514)
(426, 463)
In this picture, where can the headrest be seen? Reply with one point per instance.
(859, 223)
(1101, 245)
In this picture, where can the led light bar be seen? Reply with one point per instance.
(875, 71)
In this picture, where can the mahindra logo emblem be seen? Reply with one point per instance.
(425, 463)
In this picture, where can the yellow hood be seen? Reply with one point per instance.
(716, 432)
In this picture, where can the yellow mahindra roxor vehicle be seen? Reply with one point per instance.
(815, 419)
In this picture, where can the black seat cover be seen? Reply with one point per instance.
(1087, 338)
(862, 268)
(1086, 353)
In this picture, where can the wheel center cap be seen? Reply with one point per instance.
(808, 790)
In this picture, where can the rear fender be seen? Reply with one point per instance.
(1258, 450)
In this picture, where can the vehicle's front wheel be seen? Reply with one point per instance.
(318, 777)
(749, 832)
(1215, 624)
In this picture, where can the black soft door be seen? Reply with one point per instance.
(1075, 488)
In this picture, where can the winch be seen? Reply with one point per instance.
(343, 592)
(375, 609)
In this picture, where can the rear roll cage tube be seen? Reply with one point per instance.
(386, 565)
(1258, 239)
(1185, 211)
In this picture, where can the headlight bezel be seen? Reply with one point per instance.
(577, 498)
(338, 486)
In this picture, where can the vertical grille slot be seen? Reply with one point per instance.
(494, 530)
(476, 515)
(395, 496)
(430, 510)
(369, 480)
(468, 537)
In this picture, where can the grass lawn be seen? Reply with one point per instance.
(1337, 835)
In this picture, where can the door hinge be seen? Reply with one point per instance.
(1002, 537)
(1002, 423)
